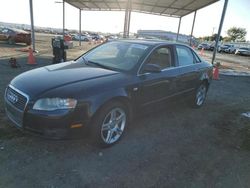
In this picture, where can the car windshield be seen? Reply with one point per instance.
(117, 55)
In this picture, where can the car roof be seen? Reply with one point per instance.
(151, 42)
(17, 30)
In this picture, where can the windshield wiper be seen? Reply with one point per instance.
(97, 64)
(84, 60)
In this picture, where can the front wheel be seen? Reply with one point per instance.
(200, 95)
(109, 124)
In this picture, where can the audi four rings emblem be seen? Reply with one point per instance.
(13, 98)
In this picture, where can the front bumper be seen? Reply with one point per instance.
(56, 124)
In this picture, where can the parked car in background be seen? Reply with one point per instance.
(96, 37)
(83, 37)
(224, 48)
(105, 87)
(243, 51)
(73, 36)
(204, 46)
(231, 49)
(12, 36)
(111, 37)
(211, 47)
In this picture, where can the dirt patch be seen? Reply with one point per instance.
(245, 133)
(234, 129)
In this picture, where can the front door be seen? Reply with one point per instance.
(156, 87)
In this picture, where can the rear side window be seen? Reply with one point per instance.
(185, 56)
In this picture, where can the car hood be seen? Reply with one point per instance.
(40, 80)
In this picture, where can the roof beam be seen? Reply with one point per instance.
(172, 8)
(106, 4)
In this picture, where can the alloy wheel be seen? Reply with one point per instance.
(113, 125)
(201, 95)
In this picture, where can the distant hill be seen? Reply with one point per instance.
(51, 30)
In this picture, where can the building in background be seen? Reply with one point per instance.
(166, 35)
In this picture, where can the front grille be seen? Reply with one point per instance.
(17, 99)
(15, 103)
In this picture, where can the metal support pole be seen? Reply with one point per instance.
(128, 24)
(80, 26)
(179, 26)
(32, 26)
(63, 18)
(219, 30)
(125, 23)
(192, 28)
(127, 19)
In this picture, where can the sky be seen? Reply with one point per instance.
(47, 13)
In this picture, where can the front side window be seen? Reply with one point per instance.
(118, 55)
(161, 57)
(185, 56)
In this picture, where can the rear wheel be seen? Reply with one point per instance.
(200, 95)
(109, 124)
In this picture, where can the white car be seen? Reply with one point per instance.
(231, 49)
(243, 51)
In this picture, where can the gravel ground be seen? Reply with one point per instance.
(173, 146)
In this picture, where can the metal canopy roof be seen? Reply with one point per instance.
(171, 8)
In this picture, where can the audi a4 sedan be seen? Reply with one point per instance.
(102, 89)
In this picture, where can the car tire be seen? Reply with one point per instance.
(200, 95)
(109, 124)
(11, 41)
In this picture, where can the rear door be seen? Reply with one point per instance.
(189, 69)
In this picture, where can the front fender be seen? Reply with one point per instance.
(97, 101)
(207, 75)
(90, 99)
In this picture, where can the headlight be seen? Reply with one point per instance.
(50, 104)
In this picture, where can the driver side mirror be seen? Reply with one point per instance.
(152, 68)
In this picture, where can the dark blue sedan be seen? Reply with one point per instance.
(102, 89)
